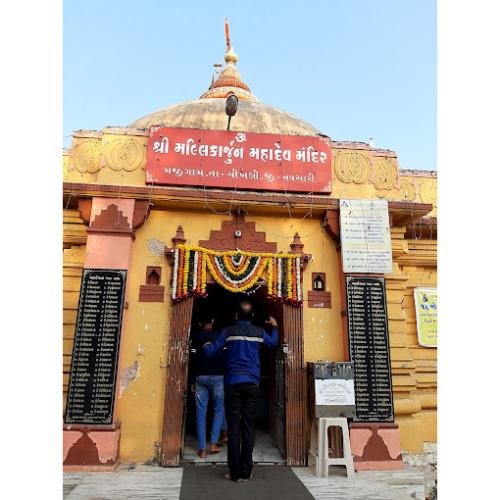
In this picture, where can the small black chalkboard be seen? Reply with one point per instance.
(369, 348)
(92, 380)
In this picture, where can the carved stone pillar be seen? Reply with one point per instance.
(112, 224)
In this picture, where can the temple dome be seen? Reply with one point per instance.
(209, 114)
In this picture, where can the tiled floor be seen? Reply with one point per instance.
(264, 451)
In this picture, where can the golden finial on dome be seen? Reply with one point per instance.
(228, 80)
(231, 55)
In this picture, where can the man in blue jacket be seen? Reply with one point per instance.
(241, 380)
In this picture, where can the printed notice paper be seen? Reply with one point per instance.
(426, 309)
(334, 391)
(365, 236)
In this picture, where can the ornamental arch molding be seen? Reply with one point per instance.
(124, 154)
(85, 156)
(385, 173)
(428, 192)
(352, 167)
(407, 189)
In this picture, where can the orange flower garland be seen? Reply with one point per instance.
(236, 271)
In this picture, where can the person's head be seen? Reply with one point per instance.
(244, 310)
(206, 323)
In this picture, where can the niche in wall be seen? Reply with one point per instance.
(319, 297)
(152, 291)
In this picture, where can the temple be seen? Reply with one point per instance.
(173, 215)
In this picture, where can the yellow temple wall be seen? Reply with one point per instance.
(72, 273)
(425, 358)
(143, 356)
(117, 157)
(144, 350)
(74, 239)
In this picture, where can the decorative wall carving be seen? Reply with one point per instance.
(428, 192)
(385, 173)
(85, 156)
(125, 154)
(238, 234)
(352, 167)
(407, 189)
(110, 219)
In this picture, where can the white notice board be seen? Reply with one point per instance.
(365, 236)
(334, 392)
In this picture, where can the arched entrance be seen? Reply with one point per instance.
(290, 408)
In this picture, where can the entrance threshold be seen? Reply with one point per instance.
(264, 452)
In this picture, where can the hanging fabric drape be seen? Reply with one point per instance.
(236, 271)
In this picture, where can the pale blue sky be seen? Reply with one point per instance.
(354, 69)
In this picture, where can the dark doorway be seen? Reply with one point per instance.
(221, 305)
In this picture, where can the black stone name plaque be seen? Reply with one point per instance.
(92, 379)
(369, 348)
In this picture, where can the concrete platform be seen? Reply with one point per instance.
(264, 451)
(405, 484)
(144, 482)
(156, 483)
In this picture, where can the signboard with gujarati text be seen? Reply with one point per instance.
(365, 236)
(426, 309)
(91, 390)
(369, 348)
(238, 160)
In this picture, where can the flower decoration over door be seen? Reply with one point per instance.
(236, 271)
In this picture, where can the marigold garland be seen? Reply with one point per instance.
(180, 273)
(186, 273)
(236, 271)
(270, 277)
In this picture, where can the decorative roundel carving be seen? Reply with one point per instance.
(407, 189)
(85, 156)
(428, 192)
(385, 173)
(352, 167)
(124, 154)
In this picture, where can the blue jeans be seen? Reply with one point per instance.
(209, 386)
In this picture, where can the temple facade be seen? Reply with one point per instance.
(141, 251)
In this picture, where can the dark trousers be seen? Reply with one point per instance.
(241, 403)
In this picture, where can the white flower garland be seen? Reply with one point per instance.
(278, 291)
(176, 268)
(195, 271)
(297, 278)
(236, 282)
